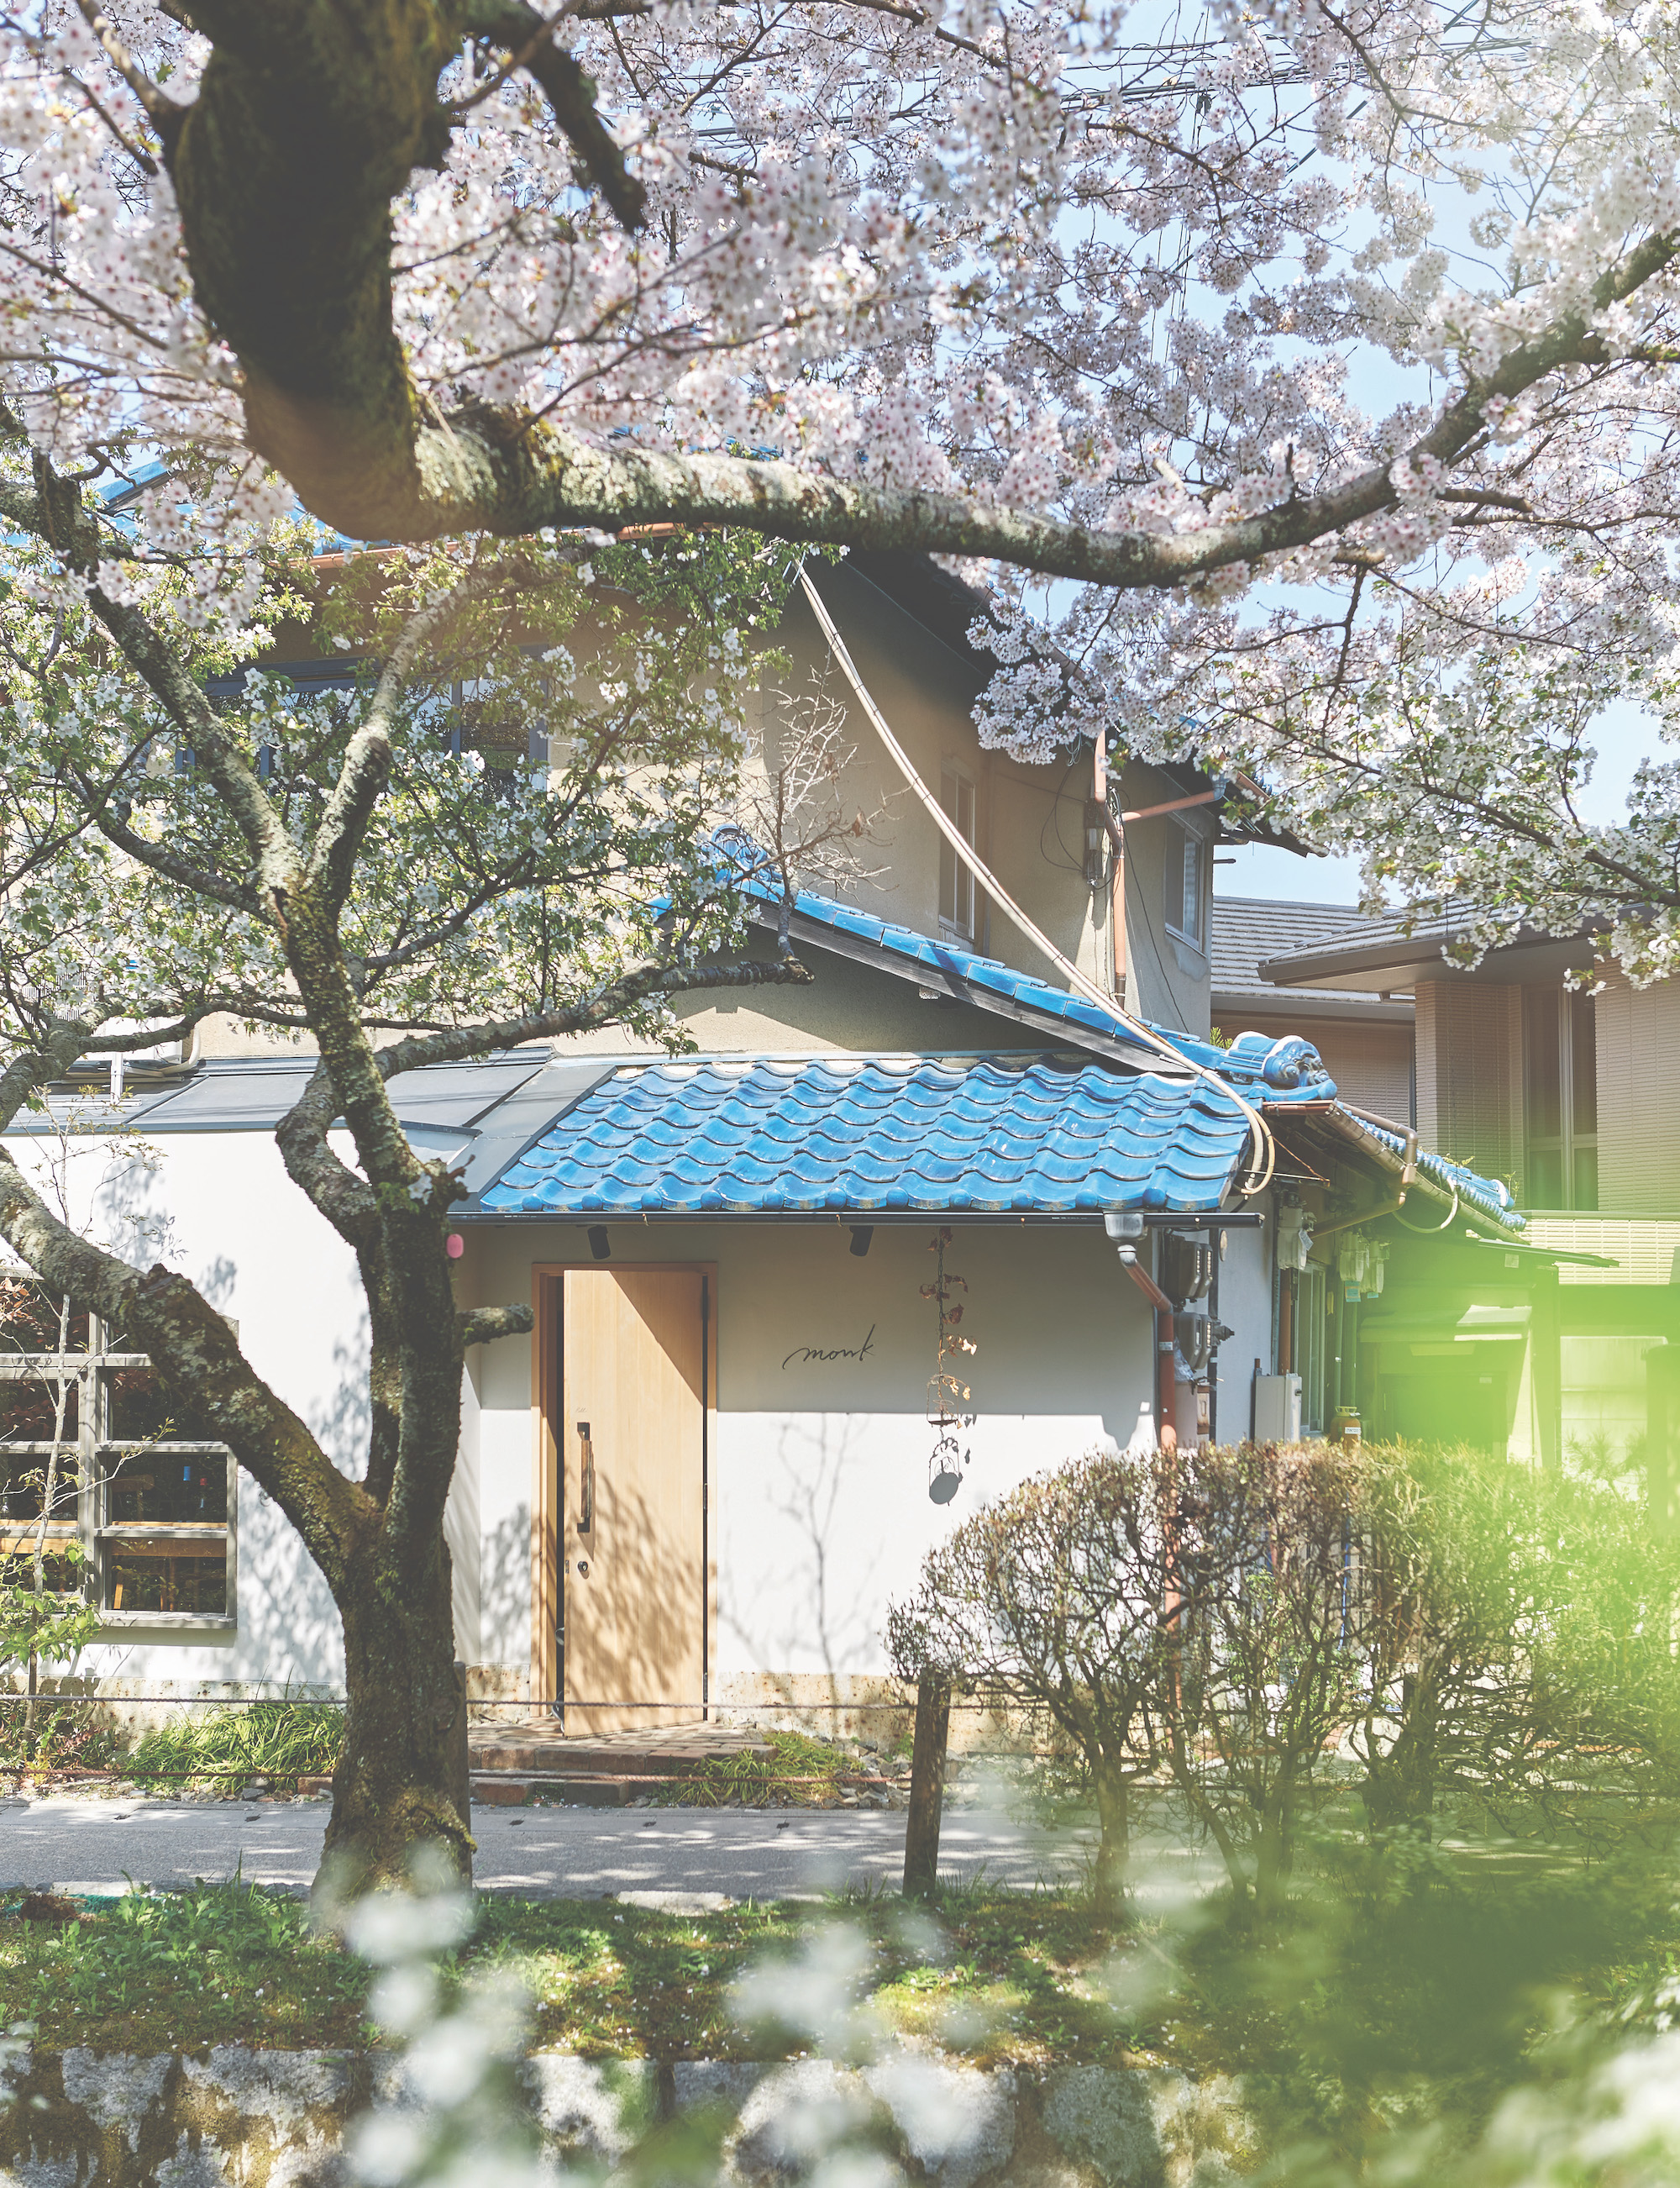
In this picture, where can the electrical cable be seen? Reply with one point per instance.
(1265, 1146)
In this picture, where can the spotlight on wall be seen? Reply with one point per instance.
(861, 1235)
(598, 1245)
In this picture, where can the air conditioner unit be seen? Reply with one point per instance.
(1278, 1409)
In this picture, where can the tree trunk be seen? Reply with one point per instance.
(396, 1785)
(1113, 1850)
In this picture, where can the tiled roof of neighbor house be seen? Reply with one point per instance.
(1033, 1134)
(1245, 932)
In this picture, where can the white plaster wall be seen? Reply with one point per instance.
(818, 1479)
(820, 1507)
(219, 1206)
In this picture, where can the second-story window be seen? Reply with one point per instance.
(957, 883)
(1560, 1099)
(1186, 876)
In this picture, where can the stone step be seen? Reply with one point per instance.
(511, 1790)
(571, 1758)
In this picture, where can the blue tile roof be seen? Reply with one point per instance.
(1260, 1067)
(1485, 1194)
(1032, 1134)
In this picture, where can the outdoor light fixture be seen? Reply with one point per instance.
(598, 1245)
(861, 1235)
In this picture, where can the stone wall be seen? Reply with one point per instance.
(234, 2117)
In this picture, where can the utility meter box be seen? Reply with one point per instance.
(1278, 1409)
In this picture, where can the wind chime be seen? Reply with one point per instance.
(947, 1392)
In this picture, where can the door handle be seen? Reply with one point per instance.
(586, 1503)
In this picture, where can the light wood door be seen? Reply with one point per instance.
(631, 1438)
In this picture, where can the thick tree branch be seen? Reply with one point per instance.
(606, 1008)
(196, 1358)
(347, 1202)
(483, 1325)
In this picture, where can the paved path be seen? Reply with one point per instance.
(543, 1853)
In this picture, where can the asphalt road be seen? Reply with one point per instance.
(95, 1845)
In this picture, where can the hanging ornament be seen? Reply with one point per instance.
(948, 1395)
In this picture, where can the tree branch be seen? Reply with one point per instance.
(571, 94)
(601, 1010)
(483, 1325)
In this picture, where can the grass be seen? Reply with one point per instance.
(279, 1740)
(798, 1773)
(1414, 1988)
(1001, 1976)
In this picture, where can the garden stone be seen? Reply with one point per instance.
(955, 2122)
(116, 2089)
(1106, 2118)
(794, 2118)
(588, 2110)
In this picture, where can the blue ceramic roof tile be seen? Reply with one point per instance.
(1029, 1135)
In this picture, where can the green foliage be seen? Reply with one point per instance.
(64, 1739)
(207, 1964)
(279, 1740)
(798, 1772)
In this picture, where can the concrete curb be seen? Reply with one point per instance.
(232, 2117)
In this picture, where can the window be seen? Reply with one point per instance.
(152, 1514)
(1560, 1099)
(1184, 884)
(957, 883)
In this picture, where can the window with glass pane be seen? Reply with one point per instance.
(1184, 887)
(1560, 1099)
(88, 1446)
(957, 883)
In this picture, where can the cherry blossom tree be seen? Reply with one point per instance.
(1300, 380)
(1324, 350)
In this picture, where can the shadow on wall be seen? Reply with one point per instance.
(290, 1630)
(826, 1599)
(341, 1419)
(505, 1591)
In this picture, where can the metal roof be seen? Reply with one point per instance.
(871, 1136)
(1380, 956)
(243, 1094)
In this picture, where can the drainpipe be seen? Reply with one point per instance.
(1166, 1378)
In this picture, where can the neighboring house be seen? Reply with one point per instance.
(1365, 1040)
(1564, 1093)
(730, 1439)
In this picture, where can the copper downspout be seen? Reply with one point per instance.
(1166, 1379)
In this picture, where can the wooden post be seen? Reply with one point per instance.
(927, 1785)
(460, 1765)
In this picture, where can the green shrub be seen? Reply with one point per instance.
(279, 1740)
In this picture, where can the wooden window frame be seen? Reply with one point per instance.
(92, 1528)
(548, 1489)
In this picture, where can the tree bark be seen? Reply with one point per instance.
(1114, 1850)
(395, 1787)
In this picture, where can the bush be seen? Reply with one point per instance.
(1261, 1627)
